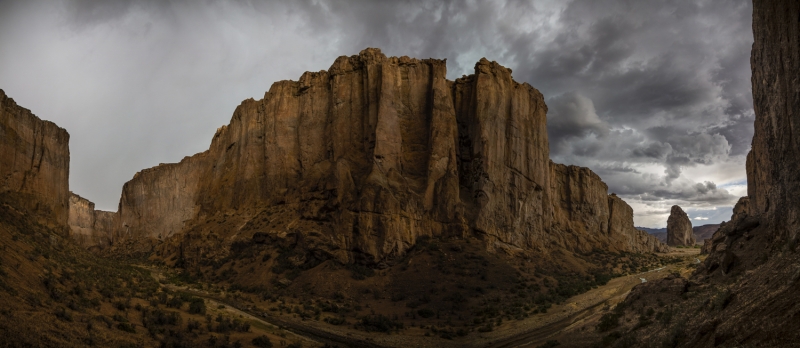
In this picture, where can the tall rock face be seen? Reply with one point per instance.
(769, 217)
(772, 164)
(34, 161)
(679, 228)
(586, 217)
(622, 231)
(157, 201)
(358, 162)
(90, 228)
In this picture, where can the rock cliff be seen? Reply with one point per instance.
(35, 161)
(679, 228)
(157, 201)
(90, 228)
(358, 162)
(769, 217)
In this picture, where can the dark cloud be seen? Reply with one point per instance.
(642, 92)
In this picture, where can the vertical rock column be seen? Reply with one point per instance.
(679, 228)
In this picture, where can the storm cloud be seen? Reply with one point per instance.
(653, 96)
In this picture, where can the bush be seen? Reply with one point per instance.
(549, 344)
(197, 306)
(611, 320)
(175, 302)
(63, 314)
(359, 272)
(379, 323)
(127, 327)
(262, 342)
(426, 313)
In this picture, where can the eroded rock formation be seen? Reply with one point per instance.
(34, 161)
(358, 162)
(769, 217)
(90, 228)
(679, 228)
(157, 201)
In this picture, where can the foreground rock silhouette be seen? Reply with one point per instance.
(745, 293)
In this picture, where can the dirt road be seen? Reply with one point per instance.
(578, 310)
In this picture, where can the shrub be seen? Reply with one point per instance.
(175, 302)
(549, 344)
(197, 306)
(426, 313)
(127, 327)
(63, 314)
(359, 272)
(262, 342)
(378, 323)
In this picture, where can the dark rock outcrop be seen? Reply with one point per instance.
(679, 228)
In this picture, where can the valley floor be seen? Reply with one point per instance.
(571, 324)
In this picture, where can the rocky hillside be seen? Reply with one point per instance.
(363, 159)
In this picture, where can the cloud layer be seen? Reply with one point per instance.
(653, 96)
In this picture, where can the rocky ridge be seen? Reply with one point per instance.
(357, 162)
(679, 228)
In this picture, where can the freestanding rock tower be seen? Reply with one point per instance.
(679, 228)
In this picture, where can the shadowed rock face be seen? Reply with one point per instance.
(772, 164)
(34, 160)
(358, 162)
(90, 228)
(679, 228)
(769, 217)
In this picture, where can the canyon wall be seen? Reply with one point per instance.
(35, 161)
(358, 162)
(157, 201)
(772, 165)
(769, 217)
(89, 228)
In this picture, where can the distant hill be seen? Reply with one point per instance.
(660, 233)
(700, 232)
(704, 232)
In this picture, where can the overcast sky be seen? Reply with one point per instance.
(654, 96)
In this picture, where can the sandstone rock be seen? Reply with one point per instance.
(157, 201)
(90, 228)
(679, 228)
(34, 161)
(358, 162)
(621, 228)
